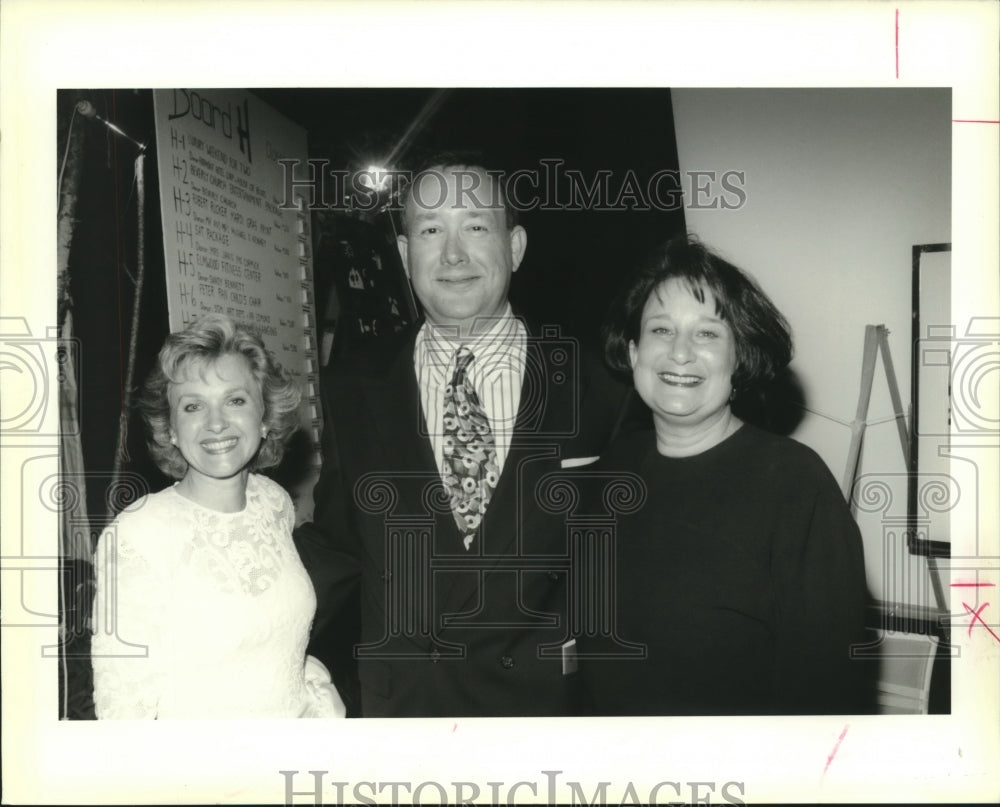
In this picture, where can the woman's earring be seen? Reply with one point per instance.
(263, 432)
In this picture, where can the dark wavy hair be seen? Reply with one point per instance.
(761, 333)
(452, 160)
(205, 341)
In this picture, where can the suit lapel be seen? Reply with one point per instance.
(394, 403)
(544, 416)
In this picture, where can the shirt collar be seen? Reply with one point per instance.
(439, 345)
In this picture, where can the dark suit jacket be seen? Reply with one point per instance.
(445, 631)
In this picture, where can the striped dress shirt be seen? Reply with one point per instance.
(497, 373)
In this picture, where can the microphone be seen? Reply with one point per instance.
(88, 110)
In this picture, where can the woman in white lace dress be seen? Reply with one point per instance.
(203, 607)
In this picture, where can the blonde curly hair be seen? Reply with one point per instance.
(204, 341)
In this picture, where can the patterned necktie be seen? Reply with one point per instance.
(470, 455)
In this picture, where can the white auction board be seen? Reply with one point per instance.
(236, 240)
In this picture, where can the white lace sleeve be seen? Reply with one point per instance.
(129, 608)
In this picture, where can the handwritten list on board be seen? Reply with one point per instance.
(233, 243)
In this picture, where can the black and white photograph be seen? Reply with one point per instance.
(632, 434)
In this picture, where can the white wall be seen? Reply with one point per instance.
(840, 184)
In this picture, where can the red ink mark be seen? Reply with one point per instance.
(972, 120)
(971, 585)
(897, 43)
(976, 616)
(454, 727)
(836, 747)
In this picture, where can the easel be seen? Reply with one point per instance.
(877, 341)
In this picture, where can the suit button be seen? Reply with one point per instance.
(435, 655)
(507, 662)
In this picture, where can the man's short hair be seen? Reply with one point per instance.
(469, 160)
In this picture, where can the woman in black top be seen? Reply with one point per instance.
(742, 574)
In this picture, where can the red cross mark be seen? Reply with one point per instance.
(977, 612)
(977, 618)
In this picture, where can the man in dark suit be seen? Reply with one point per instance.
(439, 447)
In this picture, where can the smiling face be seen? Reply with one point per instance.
(216, 420)
(683, 364)
(458, 252)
